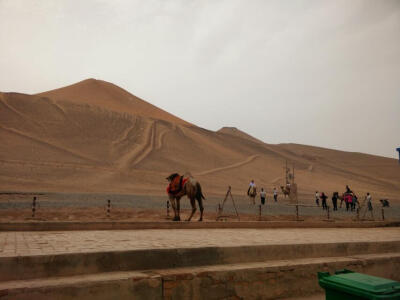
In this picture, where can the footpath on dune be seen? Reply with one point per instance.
(129, 159)
(232, 166)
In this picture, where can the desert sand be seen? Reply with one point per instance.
(94, 137)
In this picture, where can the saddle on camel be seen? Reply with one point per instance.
(176, 183)
(180, 186)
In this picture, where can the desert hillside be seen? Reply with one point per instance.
(111, 97)
(96, 137)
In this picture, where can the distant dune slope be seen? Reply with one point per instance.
(236, 132)
(95, 137)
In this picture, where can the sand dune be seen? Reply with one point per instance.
(96, 137)
(236, 132)
(111, 97)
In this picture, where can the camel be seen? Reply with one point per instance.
(349, 205)
(252, 192)
(285, 190)
(341, 198)
(179, 187)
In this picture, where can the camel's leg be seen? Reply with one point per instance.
(173, 204)
(193, 204)
(201, 209)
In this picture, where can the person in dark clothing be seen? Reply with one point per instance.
(263, 195)
(348, 190)
(354, 202)
(323, 200)
(334, 200)
(346, 200)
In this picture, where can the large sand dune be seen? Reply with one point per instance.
(96, 137)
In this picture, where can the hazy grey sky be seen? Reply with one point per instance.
(324, 73)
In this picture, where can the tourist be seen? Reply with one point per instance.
(317, 198)
(323, 200)
(334, 200)
(348, 190)
(354, 202)
(369, 203)
(342, 199)
(251, 185)
(385, 202)
(275, 195)
(252, 192)
(368, 206)
(348, 198)
(263, 195)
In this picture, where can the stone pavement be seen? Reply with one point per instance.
(58, 242)
(188, 263)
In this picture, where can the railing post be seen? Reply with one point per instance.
(327, 211)
(108, 207)
(167, 208)
(358, 214)
(297, 212)
(33, 207)
(383, 214)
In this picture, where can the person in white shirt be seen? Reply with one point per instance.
(263, 196)
(275, 194)
(252, 191)
(368, 202)
(317, 198)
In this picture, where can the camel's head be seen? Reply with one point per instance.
(172, 176)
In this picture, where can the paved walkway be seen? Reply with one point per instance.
(39, 243)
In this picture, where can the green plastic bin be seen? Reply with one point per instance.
(349, 285)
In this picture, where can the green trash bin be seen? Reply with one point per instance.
(349, 285)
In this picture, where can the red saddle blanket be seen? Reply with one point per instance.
(176, 185)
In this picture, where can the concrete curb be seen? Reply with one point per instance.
(115, 225)
(264, 280)
(70, 264)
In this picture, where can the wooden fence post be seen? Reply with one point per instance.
(108, 207)
(167, 208)
(33, 207)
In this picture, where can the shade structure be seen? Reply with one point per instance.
(398, 150)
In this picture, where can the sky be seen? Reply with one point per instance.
(323, 73)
